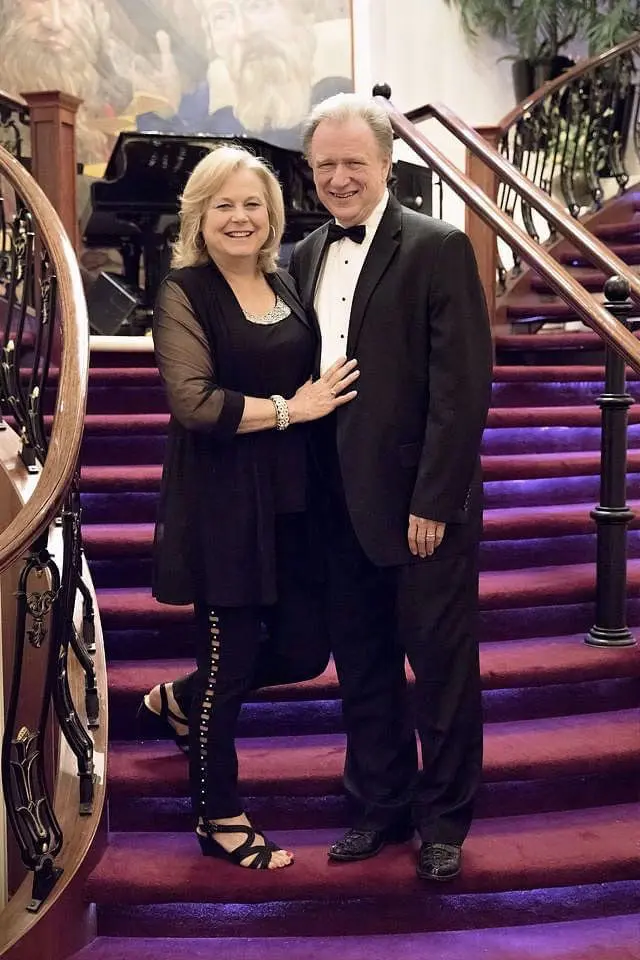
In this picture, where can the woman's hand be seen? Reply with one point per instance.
(317, 398)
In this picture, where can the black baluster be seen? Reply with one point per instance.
(612, 515)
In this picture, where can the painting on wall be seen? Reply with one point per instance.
(237, 67)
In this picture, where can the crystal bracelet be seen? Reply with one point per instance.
(282, 411)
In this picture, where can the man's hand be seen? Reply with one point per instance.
(424, 536)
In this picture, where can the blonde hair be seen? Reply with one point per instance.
(349, 106)
(206, 180)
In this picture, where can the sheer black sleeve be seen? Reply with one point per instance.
(187, 368)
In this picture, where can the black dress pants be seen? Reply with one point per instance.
(239, 649)
(426, 610)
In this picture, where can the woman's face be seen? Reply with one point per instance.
(236, 223)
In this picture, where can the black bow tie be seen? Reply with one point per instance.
(336, 232)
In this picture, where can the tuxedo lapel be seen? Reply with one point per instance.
(308, 284)
(385, 243)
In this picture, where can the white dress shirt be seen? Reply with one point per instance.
(336, 285)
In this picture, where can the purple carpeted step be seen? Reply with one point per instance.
(146, 477)
(164, 637)
(536, 466)
(539, 392)
(501, 554)
(625, 249)
(547, 438)
(121, 390)
(136, 539)
(534, 662)
(368, 915)
(591, 279)
(122, 353)
(121, 553)
(131, 608)
(505, 799)
(531, 493)
(122, 478)
(140, 506)
(288, 718)
(629, 227)
(302, 766)
(544, 348)
(613, 938)
(507, 853)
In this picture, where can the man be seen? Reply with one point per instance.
(397, 490)
(261, 78)
(398, 487)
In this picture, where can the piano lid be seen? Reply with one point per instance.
(147, 173)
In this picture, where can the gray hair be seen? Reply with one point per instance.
(350, 106)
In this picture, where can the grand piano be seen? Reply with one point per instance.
(134, 209)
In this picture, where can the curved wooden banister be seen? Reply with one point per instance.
(554, 213)
(581, 68)
(573, 293)
(66, 432)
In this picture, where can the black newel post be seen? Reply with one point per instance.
(612, 515)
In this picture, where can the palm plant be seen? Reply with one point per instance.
(609, 22)
(540, 29)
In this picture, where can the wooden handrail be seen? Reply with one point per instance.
(551, 210)
(573, 293)
(66, 432)
(581, 68)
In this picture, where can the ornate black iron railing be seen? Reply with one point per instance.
(14, 126)
(575, 139)
(54, 612)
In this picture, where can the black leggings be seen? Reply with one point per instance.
(239, 649)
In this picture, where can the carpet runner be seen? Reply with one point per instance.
(552, 866)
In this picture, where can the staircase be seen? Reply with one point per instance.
(552, 866)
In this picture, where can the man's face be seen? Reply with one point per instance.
(349, 170)
(232, 21)
(49, 45)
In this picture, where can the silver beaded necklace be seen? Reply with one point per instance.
(278, 312)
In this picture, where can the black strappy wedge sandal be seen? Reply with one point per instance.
(156, 725)
(205, 832)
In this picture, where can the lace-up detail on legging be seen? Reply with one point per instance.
(207, 706)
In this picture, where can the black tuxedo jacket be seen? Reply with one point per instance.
(410, 441)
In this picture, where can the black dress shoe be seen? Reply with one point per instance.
(439, 861)
(362, 844)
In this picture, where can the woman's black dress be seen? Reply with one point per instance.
(222, 492)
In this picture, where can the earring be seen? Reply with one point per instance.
(271, 227)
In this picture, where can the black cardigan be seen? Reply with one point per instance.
(221, 491)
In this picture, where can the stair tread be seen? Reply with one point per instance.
(313, 764)
(494, 467)
(549, 520)
(613, 937)
(509, 853)
(518, 663)
(539, 465)
(499, 589)
(570, 416)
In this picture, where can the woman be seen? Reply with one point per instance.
(235, 352)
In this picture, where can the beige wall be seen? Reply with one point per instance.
(418, 48)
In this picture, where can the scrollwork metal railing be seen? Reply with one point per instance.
(575, 138)
(42, 309)
(14, 125)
